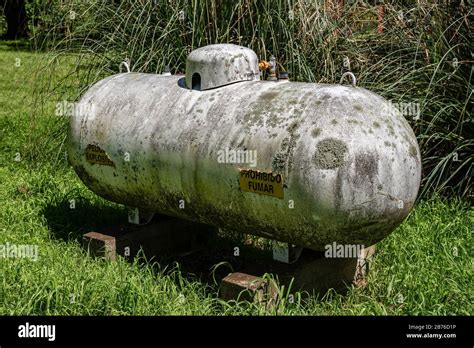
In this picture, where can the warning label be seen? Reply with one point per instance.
(96, 155)
(260, 182)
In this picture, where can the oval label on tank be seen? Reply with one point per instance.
(262, 183)
(96, 155)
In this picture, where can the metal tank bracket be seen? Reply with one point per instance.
(125, 63)
(351, 75)
(362, 267)
(139, 217)
(166, 71)
(286, 252)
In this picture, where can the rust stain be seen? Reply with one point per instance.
(95, 155)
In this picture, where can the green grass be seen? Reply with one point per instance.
(424, 267)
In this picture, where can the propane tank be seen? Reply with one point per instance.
(304, 163)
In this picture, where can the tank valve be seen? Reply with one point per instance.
(263, 65)
(283, 75)
(271, 67)
(166, 71)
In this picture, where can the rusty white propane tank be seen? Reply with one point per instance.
(304, 163)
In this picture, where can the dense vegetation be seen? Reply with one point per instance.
(418, 56)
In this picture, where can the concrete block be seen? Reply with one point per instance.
(99, 245)
(246, 287)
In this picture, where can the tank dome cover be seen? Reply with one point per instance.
(219, 65)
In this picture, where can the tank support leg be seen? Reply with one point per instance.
(286, 252)
(139, 217)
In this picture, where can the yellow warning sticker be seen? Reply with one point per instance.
(260, 182)
(96, 155)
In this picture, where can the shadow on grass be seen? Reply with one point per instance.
(70, 220)
(202, 253)
(69, 223)
(16, 45)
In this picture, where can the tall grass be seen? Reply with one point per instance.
(423, 55)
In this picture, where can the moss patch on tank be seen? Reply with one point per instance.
(293, 126)
(325, 96)
(366, 168)
(279, 162)
(315, 132)
(282, 161)
(268, 96)
(353, 121)
(265, 111)
(273, 120)
(391, 130)
(329, 153)
(413, 152)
